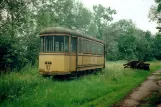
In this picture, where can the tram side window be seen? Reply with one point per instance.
(100, 49)
(84, 46)
(47, 44)
(42, 44)
(92, 47)
(66, 43)
(103, 49)
(73, 44)
(59, 43)
(88, 47)
(80, 45)
(95, 48)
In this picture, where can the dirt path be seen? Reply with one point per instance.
(144, 90)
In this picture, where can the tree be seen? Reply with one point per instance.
(102, 17)
(11, 30)
(154, 13)
(157, 47)
(117, 37)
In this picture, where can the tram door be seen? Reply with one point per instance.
(73, 54)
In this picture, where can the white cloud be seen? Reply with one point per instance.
(137, 10)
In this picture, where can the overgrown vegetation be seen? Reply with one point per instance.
(22, 20)
(27, 88)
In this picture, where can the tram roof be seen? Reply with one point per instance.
(61, 30)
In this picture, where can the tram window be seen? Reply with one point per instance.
(66, 43)
(73, 44)
(47, 44)
(84, 46)
(55, 44)
(94, 47)
(80, 45)
(42, 44)
(88, 47)
(99, 49)
(102, 49)
(59, 43)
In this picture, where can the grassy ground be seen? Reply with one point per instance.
(27, 88)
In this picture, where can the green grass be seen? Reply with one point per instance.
(29, 89)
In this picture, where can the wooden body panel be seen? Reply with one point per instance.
(66, 63)
(59, 63)
(84, 60)
(87, 62)
(72, 63)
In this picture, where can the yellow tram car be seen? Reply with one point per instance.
(64, 51)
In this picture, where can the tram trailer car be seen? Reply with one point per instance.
(64, 51)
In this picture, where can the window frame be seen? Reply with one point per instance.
(94, 48)
(79, 45)
(71, 48)
(86, 44)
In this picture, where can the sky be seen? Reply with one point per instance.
(137, 10)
